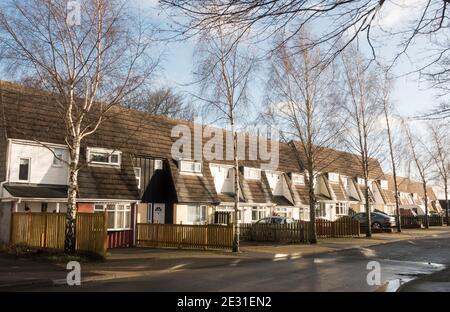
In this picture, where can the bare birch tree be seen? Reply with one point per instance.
(423, 162)
(164, 101)
(440, 151)
(364, 110)
(224, 70)
(341, 24)
(90, 54)
(304, 104)
(387, 109)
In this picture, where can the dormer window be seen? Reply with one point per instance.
(252, 173)
(298, 179)
(384, 184)
(346, 182)
(24, 169)
(333, 177)
(190, 166)
(361, 181)
(137, 173)
(158, 164)
(58, 155)
(101, 156)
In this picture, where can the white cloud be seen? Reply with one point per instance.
(396, 12)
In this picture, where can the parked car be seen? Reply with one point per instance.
(276, 220)
(379, 220)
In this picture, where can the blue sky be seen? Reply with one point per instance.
(409, 95)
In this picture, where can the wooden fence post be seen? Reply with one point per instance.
(11, 228)
(44, 234)
(105, 233)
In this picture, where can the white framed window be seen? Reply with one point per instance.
(321, 210)
(252, 173)
(119, 215)
(304, 214)
(196, 214)
(158, 164)
(190, 166)
(58, 157)
(24, 169)
(346, 181)
(259, 213)
(283, 212)
(137, 173)
(361, 181)
(101, 156)
(298, 179)
(384, 184)
(341, 208)
(333, 177)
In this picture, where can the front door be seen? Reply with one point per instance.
(159, 213)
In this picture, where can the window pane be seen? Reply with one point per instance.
(111, 207)
(111, 216)
(127, 219)
(114, 159)
(99, 157)
(24, 169)
(99, 208)
(120, 218)
(192, 214)
(57, 157)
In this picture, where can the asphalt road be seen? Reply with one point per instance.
(339, 271)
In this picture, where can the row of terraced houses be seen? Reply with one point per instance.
(128, 170)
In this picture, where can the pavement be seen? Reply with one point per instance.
(142, 263)
(436, 282)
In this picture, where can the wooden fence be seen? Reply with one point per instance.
(184, 236)
(92, 232)
(417, 221)
(299, 232)
(47, 230)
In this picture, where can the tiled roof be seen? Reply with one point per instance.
(34, 115)
(282, 201)
(344, 163)
(37, 191)
(338, 191)
(256, 191)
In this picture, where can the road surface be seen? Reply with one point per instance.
(339, 271)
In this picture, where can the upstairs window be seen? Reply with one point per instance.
(361, 181)
(58, 155)
(298, 179)
(190, 166)
(384, 184)
(137, 173)
(333, 177)
(24, 169)
(100, 156)
(158, 164)
(252, 173)
(346, 181)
